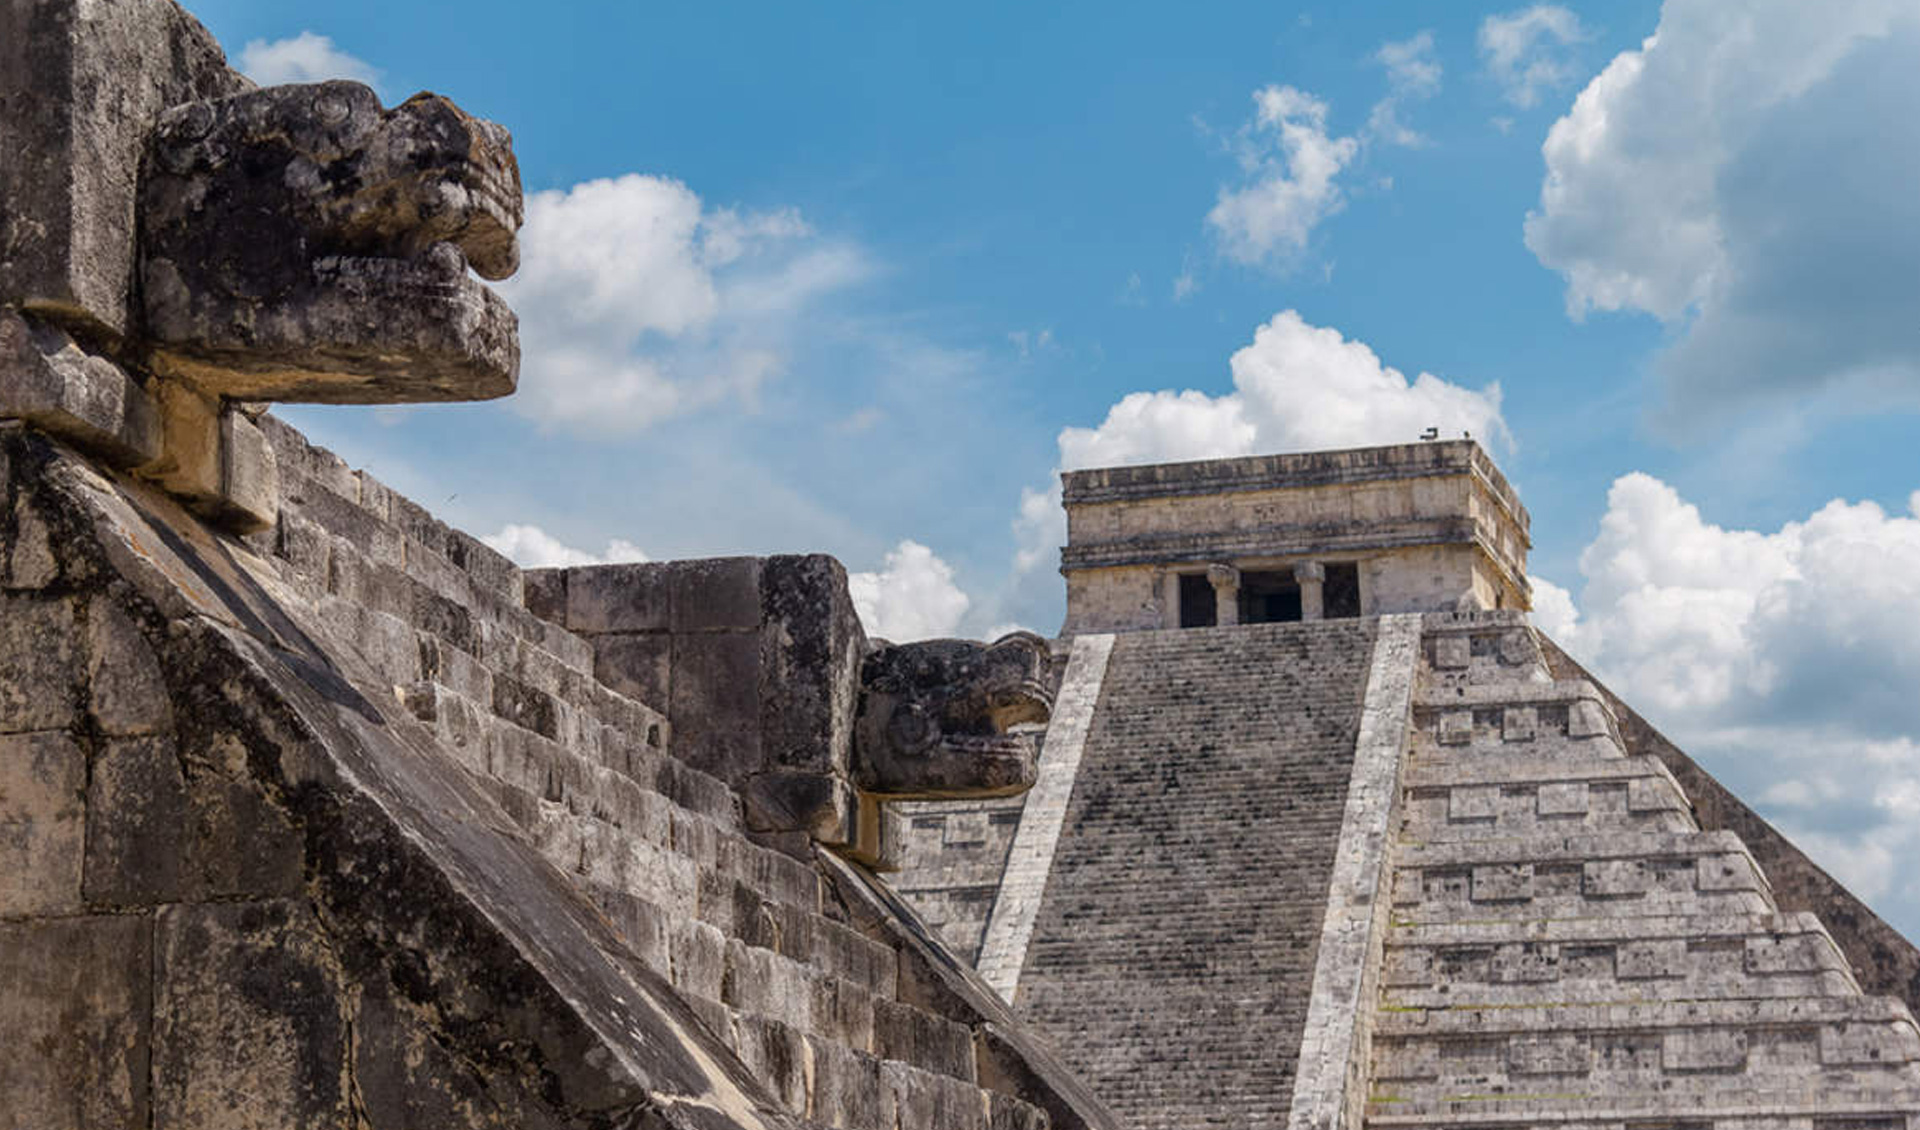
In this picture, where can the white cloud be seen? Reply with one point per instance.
(1745, 174)
(533, 548)
(638, 302)
(1297, 387)
(303, 58)
(1291, 165)
(1413, 73)
(913, 596)
(1784, 659)
(1528, 52)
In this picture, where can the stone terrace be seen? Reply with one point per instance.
(1567, 947)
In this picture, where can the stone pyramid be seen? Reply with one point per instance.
(315, 812)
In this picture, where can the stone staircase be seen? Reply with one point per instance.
(1568, 948)
(818, 997)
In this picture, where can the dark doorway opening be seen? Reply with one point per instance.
(1196, 601)
(1340, 598)
(1268, 598)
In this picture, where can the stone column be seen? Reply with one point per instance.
(1226, 594)
(1312, 577)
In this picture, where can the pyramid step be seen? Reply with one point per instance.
(1674, 958)
(1508, 796)
(1626, 1048)
(1484, 964)
(1815, 1107)
(1578, 876)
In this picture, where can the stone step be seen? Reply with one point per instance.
(1506, 795)
(1678, 958)
(1667, 1046)
(1466, 653)
(1578, 876)
(1795, 1107)
(1550, 718)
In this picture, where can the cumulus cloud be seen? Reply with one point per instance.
(1529, 52)
(913, 596)
(1297, 387)
(534, 548)
(1413, 74)
(639, 302)
(1746, 175)
(1785, 659)
(1291, 166)
(306, 57)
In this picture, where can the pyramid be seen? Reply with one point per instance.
(317, 812)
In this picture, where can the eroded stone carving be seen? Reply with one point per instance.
(302, 243)
(937, 717)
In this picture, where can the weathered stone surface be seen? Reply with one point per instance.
(250, 1027)
(126, 694)
(301, 243)
(39, 666)
(75, 1028)
(935, 717)
(249, 478)
(50, 381)
(43, 780)
(1413, 527)
(82, 84)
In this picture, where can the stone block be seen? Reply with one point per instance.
(248, 1023)
(1561, 798)
(715, 593)
(1653, 794)
(1614, 878)
(1704, 1049)
(1473, 803)
(83, 84)
(1868, 1044)
(846, 1087)
(28, 554)
(1503, 882)
(545, 594)
(189, 464)
(126, 693)
(1650, 958)
(139, 839)
(619, 598)
(1524, 963)
(777, 1055)
(38, 663)
(931, 1043)
(1794, 953)
(1456, 727)
(1549, 1055)
(1518, 724)
(47, 379)
(1729, 872)
(76, 1027)
(1586, 719)
(249, 476)
(43, 780)
(1452, 652)
(812, 647)
(922, 1098)
(823, 806)
(639, 666)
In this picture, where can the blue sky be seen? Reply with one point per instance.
(860, 278)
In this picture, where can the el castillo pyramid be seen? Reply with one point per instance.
(315, 812)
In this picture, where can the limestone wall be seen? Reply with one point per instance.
(1428, 525)
(498, 787)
